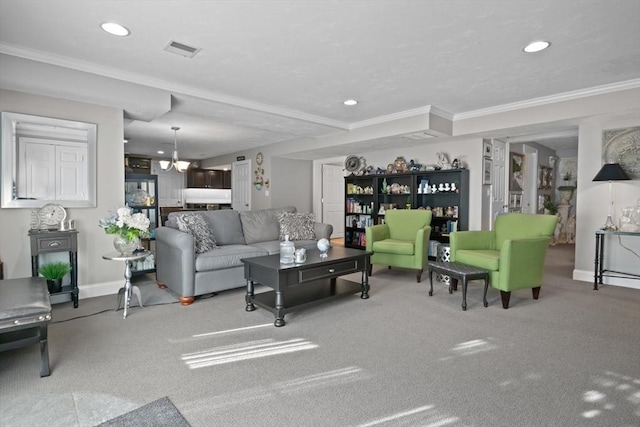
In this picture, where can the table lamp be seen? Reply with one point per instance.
(611, 172)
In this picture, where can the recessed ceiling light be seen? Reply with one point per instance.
(536, 46)
(125, 140)
(350, 102)
(160, 152)
(115, 29)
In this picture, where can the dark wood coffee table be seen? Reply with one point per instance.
(296, 286)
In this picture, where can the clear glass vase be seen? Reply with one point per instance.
(124, 245)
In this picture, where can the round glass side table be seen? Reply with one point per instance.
(128, 288)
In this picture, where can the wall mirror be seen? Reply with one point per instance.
(47, 160)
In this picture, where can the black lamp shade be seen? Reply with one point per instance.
(611, 172)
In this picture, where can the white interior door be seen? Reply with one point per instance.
(333, 198)
(498, 188)
(170, 185)
(241, 185)
(71, 172)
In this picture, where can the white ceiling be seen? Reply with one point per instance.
(273, 71)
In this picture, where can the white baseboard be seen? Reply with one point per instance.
(99, 289)
(587, 276)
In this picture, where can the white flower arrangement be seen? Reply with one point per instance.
(125, 223)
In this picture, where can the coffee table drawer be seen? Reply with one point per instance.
(329, 270)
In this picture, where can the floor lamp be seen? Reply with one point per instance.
(611, 172)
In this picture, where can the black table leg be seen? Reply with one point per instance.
(486, 287)
(464, 293)
(279, 307)
(430, 282)
(249, 297)
(365, 281)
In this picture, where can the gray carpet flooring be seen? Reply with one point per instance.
(400, 358)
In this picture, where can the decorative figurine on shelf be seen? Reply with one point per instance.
(391, 168)
(443, 161)
(453, 187)
(447, 187)
(441, 187)
(434, 188)
(413, 166)
(400, 164)
(454, 164)
(383, 189)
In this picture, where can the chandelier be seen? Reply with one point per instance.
(180, 166)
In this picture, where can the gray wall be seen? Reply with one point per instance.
(92, 241)
(291, 183)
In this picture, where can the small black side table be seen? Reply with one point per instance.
(43, 241)
(458, 271)
(600, 271)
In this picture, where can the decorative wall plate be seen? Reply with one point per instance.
(623, 146)
(352, 163)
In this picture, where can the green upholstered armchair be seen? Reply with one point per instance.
(513, 253)
(403, 241)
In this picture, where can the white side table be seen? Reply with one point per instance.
(128, 287)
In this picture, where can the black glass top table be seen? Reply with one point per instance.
(600, 271)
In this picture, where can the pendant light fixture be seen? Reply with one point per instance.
(180, 166)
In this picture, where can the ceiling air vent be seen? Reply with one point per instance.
(419, 135)
(182, 49)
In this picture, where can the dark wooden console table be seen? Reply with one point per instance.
(299, 285)
(43, 241)
(600, 271)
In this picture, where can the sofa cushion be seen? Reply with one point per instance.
(226, 226)
(297, 225)
(262, 225)
(227, 256)
(194, 224)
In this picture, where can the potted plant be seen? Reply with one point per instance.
(53, 272)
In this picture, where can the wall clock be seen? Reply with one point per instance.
(259, 158)
(51, 215)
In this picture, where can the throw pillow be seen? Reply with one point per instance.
(298, 225)
(195, 225)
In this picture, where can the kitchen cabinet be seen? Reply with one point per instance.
(204, 178)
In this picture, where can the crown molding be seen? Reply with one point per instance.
(142, 80)
(545, 100)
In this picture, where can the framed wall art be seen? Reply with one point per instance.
(516, 172)
(487, 171)
(545, 178)
(487, 148)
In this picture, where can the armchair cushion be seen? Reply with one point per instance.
(391, 246)
(482, 258)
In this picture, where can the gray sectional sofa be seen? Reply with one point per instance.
(237, 235)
